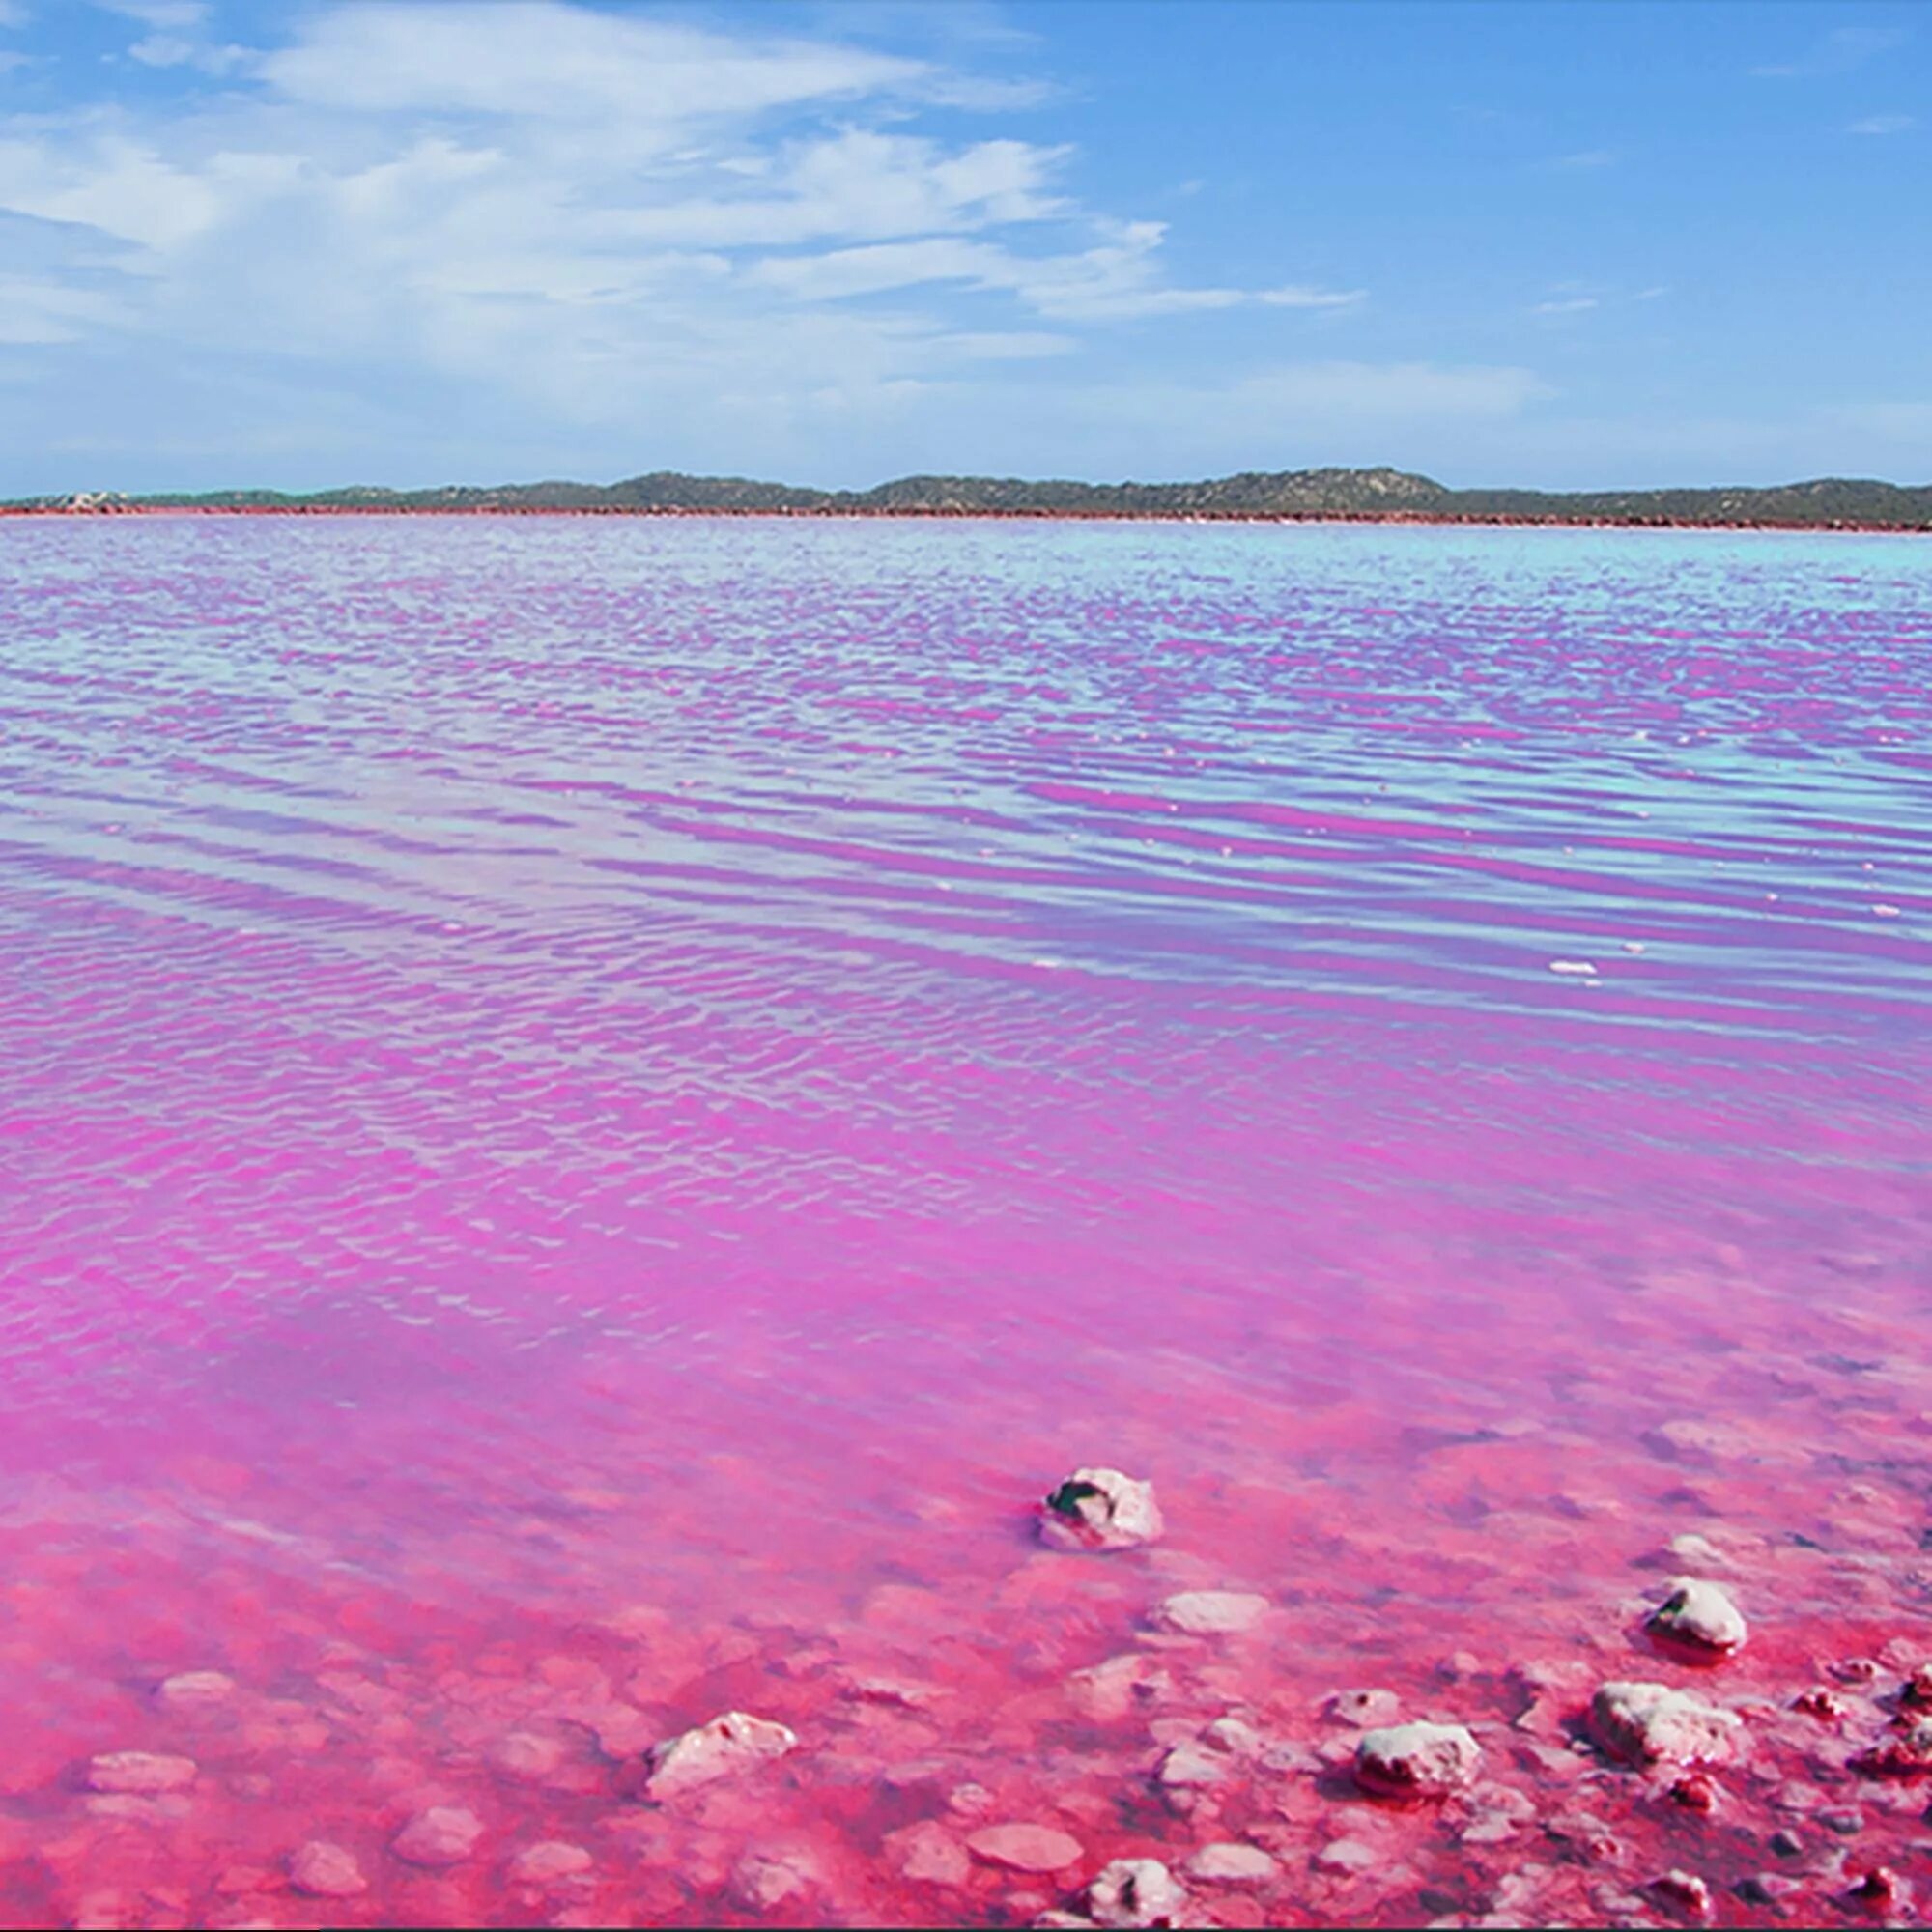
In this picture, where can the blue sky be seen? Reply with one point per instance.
(414, 242)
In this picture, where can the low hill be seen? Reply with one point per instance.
(1824, 504)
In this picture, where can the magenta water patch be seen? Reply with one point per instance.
(596, 1112)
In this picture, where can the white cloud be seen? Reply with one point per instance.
(546, 212)
(1882, 123)
(1109, 281)
(1838, 52)
(1589, 157)
(159, 14)
(13, 13)
(1300, 295)
(538, 58)
(1566, 306)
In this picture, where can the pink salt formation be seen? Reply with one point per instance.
(1418, 1760)
(1101, 1509)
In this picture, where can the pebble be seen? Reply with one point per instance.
(524, 1755)
(320, 1870)
(1134, 1892)
(1101, 1509)
(1211, 1612)
(1345, 1854)
(762, 1881)
(1686, 1891)
(1699, 1613)
(444, 1834)
(1027, 1848)
(1418, 1760)
(927, 1853)
(1648, 1723)
(1360, 1707)
(1906, 1753)
(142, 1773)
(1231, 1863)
(192, 1690)
(732, 1743)
(1188, 1766)
(1579, 968)
(551, 1859)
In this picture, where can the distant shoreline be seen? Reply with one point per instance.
(1432, 519)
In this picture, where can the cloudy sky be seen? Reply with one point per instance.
(412, 241)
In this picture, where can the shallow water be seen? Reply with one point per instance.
(594, 1108)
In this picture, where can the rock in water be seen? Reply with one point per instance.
(1230, 1864)
(1134, 1892)
(190, 1689)
(1027, 1848)
(1701, 1614)
(445, 1834)
(1101, 1509)
(725, 1746)
(320, 1870)
(1418, 1760)
(1211, 1612)
(143, 1774)
(1650, 1723)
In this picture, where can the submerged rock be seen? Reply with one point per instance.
(1651, 1724)
(144, 1774)
(320, 1870)
(1906, 1753)
(193, 1690)
(444, 1834)
(1101, 1509)
(1211, 1612)
(762, 1881)
(927, 1853)
(1027, 1848)
(721, 1749)
(1701, 1614)
(1418, 1760)
(1135, 1892)
(549, 1859)
(1232, 1864)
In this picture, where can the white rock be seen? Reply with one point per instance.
(1418, 1760)
(1101, 1509)
(320, 1870)
(1650, 1723)
(1580, 969)
(1232, 1865)
(725, 1746)
(1133, 1893)
(1211, 1612)
(1699, 1613)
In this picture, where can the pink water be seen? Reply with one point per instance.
(594, 1110)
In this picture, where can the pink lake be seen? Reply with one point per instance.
(594, 1111)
